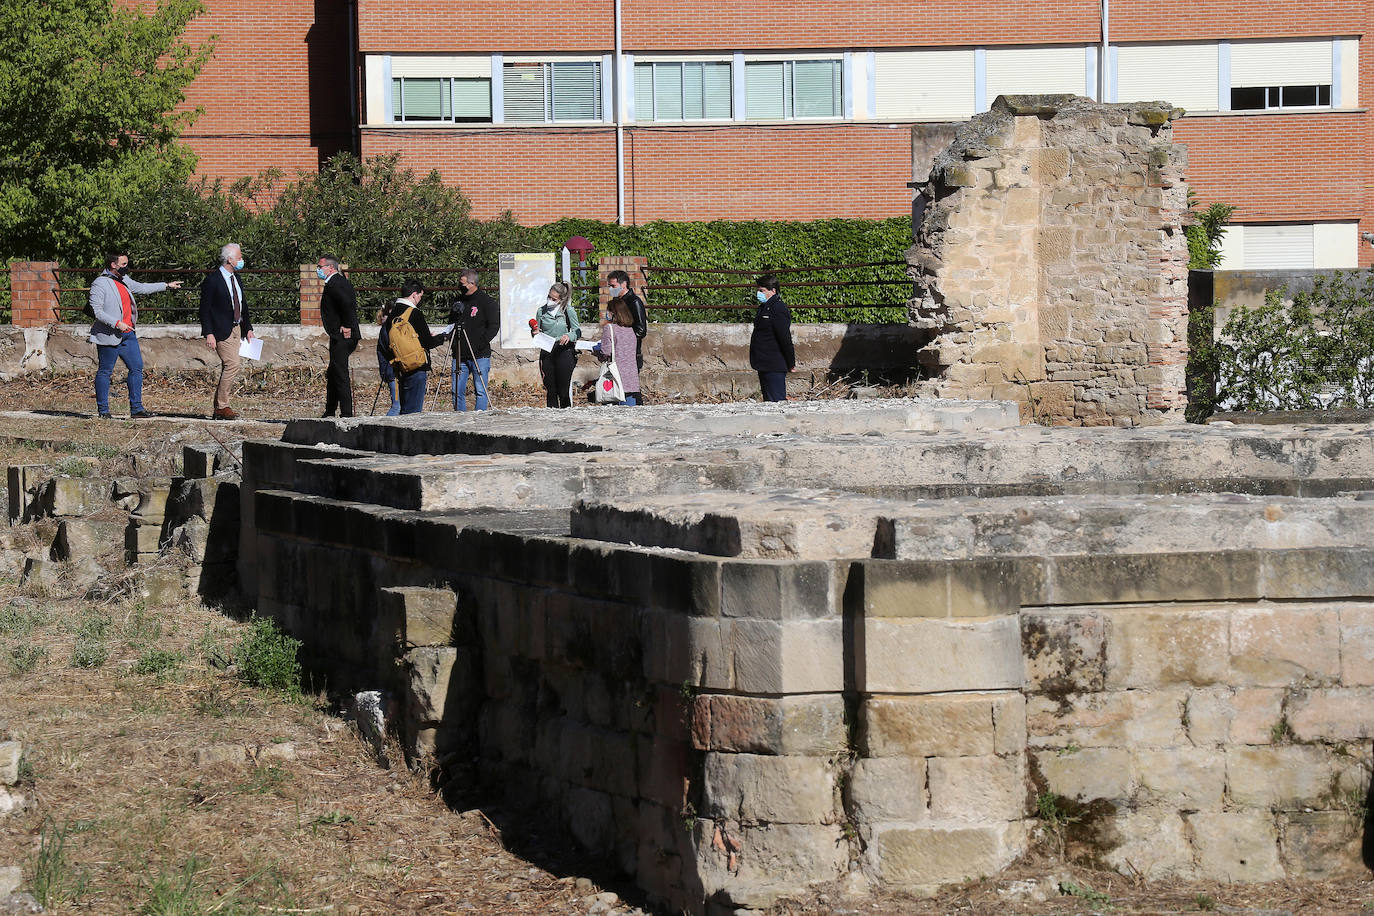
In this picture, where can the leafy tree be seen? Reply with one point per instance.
(90, 90)
(1204, 233)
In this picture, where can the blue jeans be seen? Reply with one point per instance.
(461, 368)
(395, 410)
(632, 399)
(413, 392)
(127, 350)
(773, 385)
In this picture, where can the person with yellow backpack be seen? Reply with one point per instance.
(405, 342)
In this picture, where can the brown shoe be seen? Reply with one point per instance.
(225, 413)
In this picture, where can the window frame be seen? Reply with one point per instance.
(789, 83)
(446, 86)
(681, 65)
(549, 84)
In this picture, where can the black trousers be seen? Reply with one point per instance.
(773, 385)
(557, 369)
(338, 390)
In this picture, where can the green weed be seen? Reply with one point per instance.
(158, 662)
(266, 657)
(55, 879)
(24, 659)
(20, 622)
(1203, 902)
(1083, 892)
(73, 466)
(89, 653)
(141, 628)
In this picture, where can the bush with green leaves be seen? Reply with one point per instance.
(1314, 353)
(266, 657)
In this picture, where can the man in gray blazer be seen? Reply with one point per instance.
(116, 314)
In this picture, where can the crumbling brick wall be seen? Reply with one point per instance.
(1050, 260)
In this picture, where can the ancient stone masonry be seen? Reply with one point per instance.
(1050, 261)
(737, 650)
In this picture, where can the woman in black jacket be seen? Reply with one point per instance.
(770, 345)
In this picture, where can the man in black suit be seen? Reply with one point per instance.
(224, 323)
(339, 315)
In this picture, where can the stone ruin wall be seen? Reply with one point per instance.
(836, 699)
(1050, 261)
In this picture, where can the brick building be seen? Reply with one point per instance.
(817, 109)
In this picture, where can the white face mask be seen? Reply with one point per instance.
(552, 303)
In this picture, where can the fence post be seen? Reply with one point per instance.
(633, 265)
(312, 287)
(33, 294)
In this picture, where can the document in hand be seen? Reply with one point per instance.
(544, 342)
(586, 345)
(251, 349)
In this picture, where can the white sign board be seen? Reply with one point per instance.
(525, 282)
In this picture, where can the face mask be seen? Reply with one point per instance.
(551, 303)
(238, 265)
(319, 272)
(122, 271)
(761, 296)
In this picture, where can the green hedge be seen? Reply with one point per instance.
(374, 213)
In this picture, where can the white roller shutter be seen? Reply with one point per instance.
(1281, 63)
(1184, 74)
(468, 65)
(1279, 246)
(924, 84)
(1035, 71)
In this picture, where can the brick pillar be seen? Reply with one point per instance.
(312, 287)
(633, 265)
(33, 294)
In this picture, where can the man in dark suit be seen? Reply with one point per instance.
(224, 323)
(339, 315)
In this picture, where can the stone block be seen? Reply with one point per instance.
(1009, 723)
(665, 770)
(1131, 718)
(1161, 648)
(691, 585)
(776, 859)
(793, 725)
(922, 655)
(428, 614)
(1151, 844)
(1183, 778)
(756, 789)
(1121, 578)
(682, 649)
(10, 754)
(776, 590)
(591, 820)
(141, 540)
(192, 539)
(11, 879)
(198, 461)
(75, 496)
(1335, 714)
(977, 788)
(927, 726)
(962, 588)
(428, 671)
(1240, 847)
(920, 857)
(25, 484)
(1086, 774)
(888, 789)
(162, 585)
(1280, 645)
(152, 501)
(1357, 645)
(1322, 845)
(795, 656)
(1286, 776)
(1065, 652)
(1317, 572)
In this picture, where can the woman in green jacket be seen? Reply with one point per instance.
(558, 319)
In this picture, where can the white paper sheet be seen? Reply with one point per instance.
(251, 349)
(586, 344)
(446, 329)
(544, 341)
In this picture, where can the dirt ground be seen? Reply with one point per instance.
(159, 783)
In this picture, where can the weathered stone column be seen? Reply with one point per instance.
(33, 294)
(1050, 259)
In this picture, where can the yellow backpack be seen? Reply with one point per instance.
(407, 354)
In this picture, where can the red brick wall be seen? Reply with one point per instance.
(737, 172)
(542, 25)
(275, 93)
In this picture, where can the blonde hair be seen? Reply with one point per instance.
(563, 291)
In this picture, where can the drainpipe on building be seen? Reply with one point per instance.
(1102, 55)
(355, 115)
(617, 91)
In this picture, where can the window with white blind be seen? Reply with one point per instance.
(441, 99)
(682, 91)
(555, 91)
(1281, 74)
(787, 89)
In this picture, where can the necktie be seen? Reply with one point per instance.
(238, 305)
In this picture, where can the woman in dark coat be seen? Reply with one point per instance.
(770, 345)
